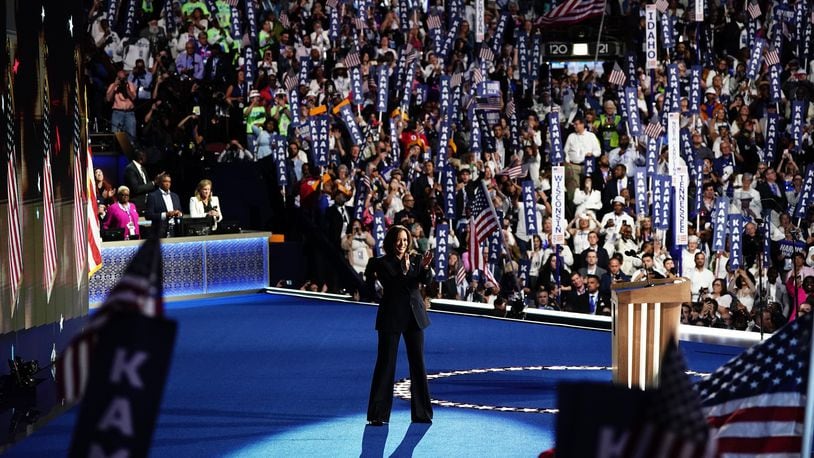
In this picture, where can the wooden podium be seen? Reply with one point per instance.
(646, 316)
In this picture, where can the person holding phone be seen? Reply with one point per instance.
(203, 204)
(401, 312)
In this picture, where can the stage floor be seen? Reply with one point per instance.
(265, 375)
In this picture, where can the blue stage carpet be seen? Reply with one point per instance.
(263, 375)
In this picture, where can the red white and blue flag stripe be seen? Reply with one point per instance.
(573, 11)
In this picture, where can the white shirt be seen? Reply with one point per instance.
(577, 145)
(700, 279)
(167, 202)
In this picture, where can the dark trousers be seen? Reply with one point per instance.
(381, 389)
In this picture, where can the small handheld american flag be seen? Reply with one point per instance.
(754, 10)
(662, 5)
(433, 22)
(486, 54)
(654, 128)
(352, 59)
(771, 57)
(617, 76)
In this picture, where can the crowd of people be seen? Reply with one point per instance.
(191, 80)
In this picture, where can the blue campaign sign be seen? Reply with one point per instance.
(735, 241)
(356, 85)
(755, 58)
(695, 89)
(382, 91)
(448, 184)
(772, 120)
(720, 224)
(799, 108)
(555, 135)
(530, 208)
(378, 233)
(441, 251)
(640, 180)
(634, 122)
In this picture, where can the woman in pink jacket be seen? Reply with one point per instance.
(122, 215)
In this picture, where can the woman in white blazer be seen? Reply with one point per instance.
(203, 203)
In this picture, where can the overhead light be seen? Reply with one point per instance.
(579, 49)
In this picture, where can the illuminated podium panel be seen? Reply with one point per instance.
(646, 316)
(193, 266)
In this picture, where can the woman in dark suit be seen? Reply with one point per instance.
(401, 312)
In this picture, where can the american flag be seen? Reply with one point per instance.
(284, 21)
(94, 236)
(475, 251)
(290, 82)
(511, 110)
(483, 214)
(755, 402)
(460, 275)
(489, 104)
(359, 23)
(229, 2)
(139, 291)
(662, 5)
(433, 22)
(15, 238)
(754, 10)
(331, 3)
(673, 414)
(617, 76)
(513, 171)
(412, 56)
(477, 75)
(352, 59)
(79, 206)
(486, 54)
(455, 81)
(654, 129)
(771, 57)
(49, 242)
(573, 11)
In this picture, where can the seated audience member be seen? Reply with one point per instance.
(204, 204)
(122, 215)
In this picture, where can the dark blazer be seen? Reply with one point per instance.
(582, 305)
(401, 301)
(139, 189)
(770, 200)
(607, 280)
(602, 258)
(334, 226)
(611, 190)
(156, 206)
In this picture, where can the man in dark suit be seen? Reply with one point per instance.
(339, 217)
(593, 302)
(590, 267)
(614, 187)
(164, 207)
(614, 275)
(401, 312)
(772, 195)
(135, 178)
(602, 257)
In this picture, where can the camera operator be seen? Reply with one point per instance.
(122, 94)
(109, 42)
(163, 64)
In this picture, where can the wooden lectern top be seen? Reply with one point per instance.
(663, 290)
